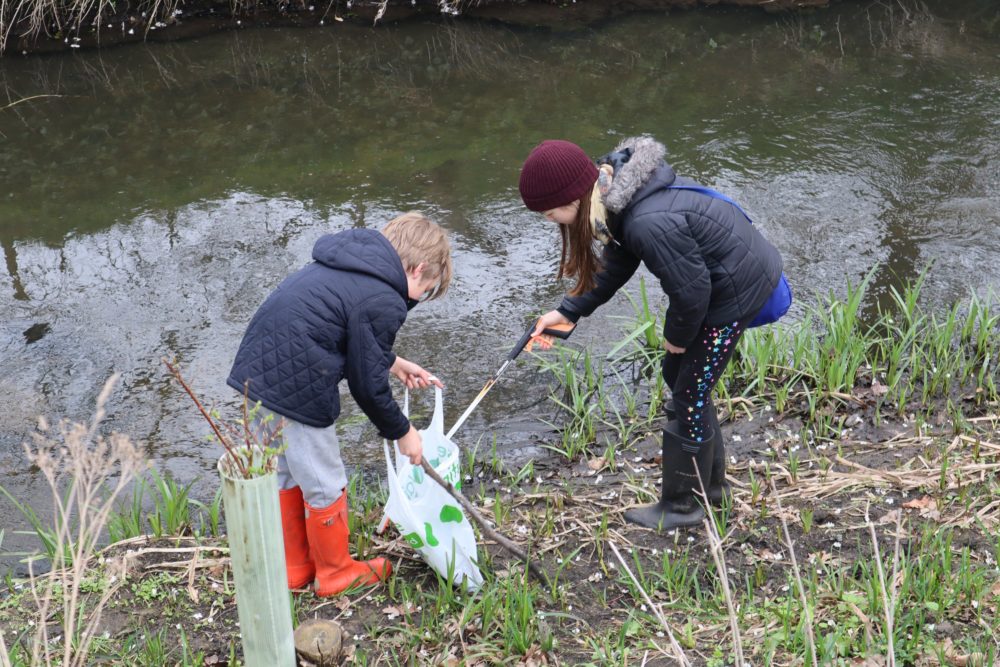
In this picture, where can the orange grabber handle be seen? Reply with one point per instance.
(558, 330)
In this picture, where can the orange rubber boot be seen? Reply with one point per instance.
(298, 563)
(336, 571)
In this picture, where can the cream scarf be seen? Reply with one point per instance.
(598, 212)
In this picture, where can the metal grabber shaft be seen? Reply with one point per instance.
(559, 331)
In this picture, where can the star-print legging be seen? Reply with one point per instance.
(693, 374)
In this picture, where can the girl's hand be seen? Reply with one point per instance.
(673, 349)
(547, 320)
(412, 445)
(412, 375)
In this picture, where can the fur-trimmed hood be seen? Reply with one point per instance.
(634, 161)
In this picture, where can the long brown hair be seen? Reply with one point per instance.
(579, 258)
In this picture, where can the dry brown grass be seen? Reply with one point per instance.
(86, 473)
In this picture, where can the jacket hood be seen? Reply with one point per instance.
(635, 161)
(363, 251)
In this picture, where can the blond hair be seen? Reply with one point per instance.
(419, 240)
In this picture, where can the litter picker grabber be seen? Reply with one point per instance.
(559, 331)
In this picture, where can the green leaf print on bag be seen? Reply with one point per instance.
(425, 513)
(452, 514)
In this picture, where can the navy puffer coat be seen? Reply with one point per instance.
(337, 317)
(714, 265)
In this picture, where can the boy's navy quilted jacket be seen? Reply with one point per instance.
(337, 317)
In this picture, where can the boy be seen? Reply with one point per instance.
(337, 317)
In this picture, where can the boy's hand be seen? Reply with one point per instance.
(551, 318)
(412, 445)
(412, 375)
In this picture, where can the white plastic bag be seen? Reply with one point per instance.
(425, 513)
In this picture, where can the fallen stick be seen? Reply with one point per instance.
(506, 543)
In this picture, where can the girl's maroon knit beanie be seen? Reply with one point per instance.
(556, 173)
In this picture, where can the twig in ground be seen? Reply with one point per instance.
(234, 457)
(810, 637)
(890, 659)
(506, 543)
(678, 652)
(715, 544)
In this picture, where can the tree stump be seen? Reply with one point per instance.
(319, 641)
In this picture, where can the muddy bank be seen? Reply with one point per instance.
(138, 20)
(921, 492)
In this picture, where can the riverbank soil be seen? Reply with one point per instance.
(894, 514)
(141, 20)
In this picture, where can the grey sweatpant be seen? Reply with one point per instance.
(311, 460)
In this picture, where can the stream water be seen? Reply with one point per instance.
(155, 194)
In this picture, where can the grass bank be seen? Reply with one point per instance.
(863, 528)
(47, 25)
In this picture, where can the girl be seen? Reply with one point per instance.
(715, 267)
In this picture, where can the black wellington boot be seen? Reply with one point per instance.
(719, 492)
(679, 494)
(718, 488)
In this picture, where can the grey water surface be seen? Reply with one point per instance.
(157, 193)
